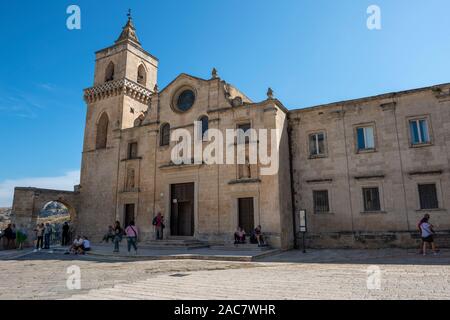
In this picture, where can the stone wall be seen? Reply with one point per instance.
(394, 166)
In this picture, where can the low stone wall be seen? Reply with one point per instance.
(371, 240)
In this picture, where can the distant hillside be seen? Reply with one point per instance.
(5, 217)
(53, 209)
(53, 213)
(5, 211)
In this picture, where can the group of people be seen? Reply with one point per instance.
(256, 237)
(116, 234)
(13, 238)
(44, 234)
(80, 245)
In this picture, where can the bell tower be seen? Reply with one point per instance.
(124, 81)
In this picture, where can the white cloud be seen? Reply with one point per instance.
(65, 182)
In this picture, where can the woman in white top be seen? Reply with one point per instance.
(86, 246)
(427, 235)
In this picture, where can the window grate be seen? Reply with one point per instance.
(321, 202)
(371, 199)
(428, 196)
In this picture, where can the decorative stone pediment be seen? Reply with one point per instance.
(118, 87)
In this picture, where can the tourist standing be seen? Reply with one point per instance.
(39, 236)
(65, 234)
(132, 235)
(158, 222)
(21, 237)
(118, 233)
(419, 227)
(13, 236)
(47, 235)
(8, 234)
(427, 236)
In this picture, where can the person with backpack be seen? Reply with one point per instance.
(426, 216)
(132, 234)
(427, 233)
(118, 233)
(21, 237)
(158, 223)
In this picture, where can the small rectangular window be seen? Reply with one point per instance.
(428, 196)
(321, 201)
(371, 199)
(317, 144)
(365, 138)
(165, 135)
(419, 131)
(132, 150)
(245, 127)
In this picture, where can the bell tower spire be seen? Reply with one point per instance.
(128, 31)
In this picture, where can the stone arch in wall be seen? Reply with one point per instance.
(28, 203)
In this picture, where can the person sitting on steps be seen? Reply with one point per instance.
(239, 236)
(109, 235)
(259, 236)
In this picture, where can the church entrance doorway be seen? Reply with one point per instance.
(246, 215)
(182, 209)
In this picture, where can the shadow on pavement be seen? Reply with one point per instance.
(379, 257)
(326, 256)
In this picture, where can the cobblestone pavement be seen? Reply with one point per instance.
(291, 275)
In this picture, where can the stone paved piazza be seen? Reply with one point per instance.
(336, 274)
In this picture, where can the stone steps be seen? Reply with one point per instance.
(240, 247)
(187, 244)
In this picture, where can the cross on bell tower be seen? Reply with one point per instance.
(128, 31)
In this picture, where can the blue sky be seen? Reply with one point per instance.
(309, 51)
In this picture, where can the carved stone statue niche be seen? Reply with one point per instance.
(130, 183)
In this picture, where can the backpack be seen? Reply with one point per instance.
(155, 222)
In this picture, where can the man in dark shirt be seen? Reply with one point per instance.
(65, 234)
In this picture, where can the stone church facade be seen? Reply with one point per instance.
(365, 171)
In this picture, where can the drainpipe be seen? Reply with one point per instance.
(291, 174)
